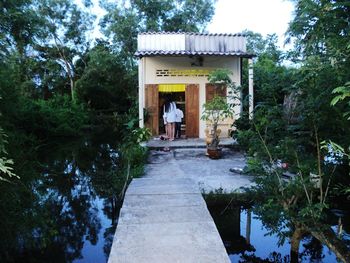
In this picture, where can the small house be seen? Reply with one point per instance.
(177, 65)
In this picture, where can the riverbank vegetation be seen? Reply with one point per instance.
(298, 141)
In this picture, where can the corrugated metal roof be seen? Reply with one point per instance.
(191, 53)
(191, 44)
(191, 33)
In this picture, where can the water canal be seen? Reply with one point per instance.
(65, 209)
(65, 206)
(247, 238)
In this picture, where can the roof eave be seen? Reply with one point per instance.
(192, 33)
(141, 54)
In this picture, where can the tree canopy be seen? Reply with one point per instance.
(55, 80)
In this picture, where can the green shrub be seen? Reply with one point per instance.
(58, 116)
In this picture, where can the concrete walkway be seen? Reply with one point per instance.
(209, 175)
(157, 144)
(166, 220)
(164, 217)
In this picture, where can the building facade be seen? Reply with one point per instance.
(177, 65)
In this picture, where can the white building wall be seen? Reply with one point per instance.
(149, 65)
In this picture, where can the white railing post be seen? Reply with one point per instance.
(141, 92)
(251, 88)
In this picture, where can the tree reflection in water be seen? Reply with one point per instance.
(52, 213)
(248, 239)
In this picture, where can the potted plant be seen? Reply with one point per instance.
(141, 135)
(216, 110)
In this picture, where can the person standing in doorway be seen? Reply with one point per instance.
(169, 117)
(179, 116)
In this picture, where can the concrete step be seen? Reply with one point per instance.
(168, 200)
(168, 242)
(156, 144)
(160, 181)
(164, 214)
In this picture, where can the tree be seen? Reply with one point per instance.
(322, 28)
(41, 34)
(66, 26)
(122, 24)
(218, 108)
(292, 116)
(104, 82)
(19, 26)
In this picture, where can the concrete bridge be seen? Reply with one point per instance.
(164, 217)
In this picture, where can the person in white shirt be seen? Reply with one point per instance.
(179, 116)
(169, 117)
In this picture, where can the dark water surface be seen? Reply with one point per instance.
(247, 239)
(65, 205)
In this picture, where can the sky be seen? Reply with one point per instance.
(234, 16)
(261, 16)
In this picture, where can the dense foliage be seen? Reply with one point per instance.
(56, 80)
(295, 107)
(300, 125)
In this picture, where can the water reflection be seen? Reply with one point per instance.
(65, 206)
(246, 238)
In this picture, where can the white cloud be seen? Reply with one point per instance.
(261, 16)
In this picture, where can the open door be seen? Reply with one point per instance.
(151, 105)
(192, 110)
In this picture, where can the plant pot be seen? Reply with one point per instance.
(214, 153)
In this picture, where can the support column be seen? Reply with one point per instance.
(141, 92)
(241, 84)
(251, 89)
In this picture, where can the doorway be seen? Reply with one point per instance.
(187, 98)
(179, 99)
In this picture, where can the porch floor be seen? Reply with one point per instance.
(155, 143)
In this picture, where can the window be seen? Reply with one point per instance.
(211, 90)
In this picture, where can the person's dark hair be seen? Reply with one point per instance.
(167, 105)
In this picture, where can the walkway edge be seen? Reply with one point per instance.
(157, 226)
